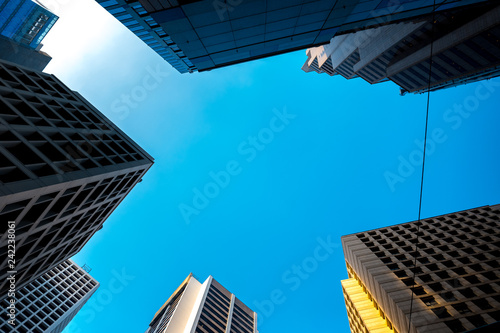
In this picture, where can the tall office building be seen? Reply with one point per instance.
(206, 34)
(203, 308)
(64, 168)
(48, 304)
(466, 48)
(453, 287)
(23, 25)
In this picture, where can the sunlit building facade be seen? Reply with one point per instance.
(206, 307)
(204, 35)
(64, 168)
(48, 304)
(465, 45)
(452, 286)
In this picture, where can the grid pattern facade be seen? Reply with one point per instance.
(243, 320)
(64, 168)
(210, 34)
(25, 21)
(467, 49)
(222, 312)
(457, 273)
(50, 302)
(214, 315)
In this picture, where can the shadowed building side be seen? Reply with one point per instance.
(204, 35)
(64, 168)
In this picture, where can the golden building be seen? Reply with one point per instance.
(439, 275)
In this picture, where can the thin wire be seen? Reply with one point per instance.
(423, 166)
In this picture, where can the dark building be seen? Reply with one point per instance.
(48, 304)
(64, 168)
(466, 48)
(205, 307)
(23, 25)
(23, 55)
(447, 280)
(203, 35)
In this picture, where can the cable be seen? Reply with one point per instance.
(423, 165)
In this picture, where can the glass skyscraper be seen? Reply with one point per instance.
(203, 35)
(467, 49)
(25, 21)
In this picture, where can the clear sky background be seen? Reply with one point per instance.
(340, 162)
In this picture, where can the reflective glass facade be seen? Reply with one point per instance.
(203, 35)
(467, 49)
(25, 21)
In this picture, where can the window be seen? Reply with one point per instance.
(441, 312)
(436, 286)
(476, 320)
(429, 300)
(482, 304)
(448, 296)
(467, 292)
(461, 308)
(455, 325)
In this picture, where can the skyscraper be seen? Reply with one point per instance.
(50, 302)
(203, 35)
(203, 308)
(446, 280)
(64, 168)
(466, 48)
(23, 25)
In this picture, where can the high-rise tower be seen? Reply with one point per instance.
(47, 304)
(203, 308)
(64, 168)
(208, 34)
(465, 44)
(437, 275)
(23, 25)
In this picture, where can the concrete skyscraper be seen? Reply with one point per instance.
(208, 34)
(23, 25)
(47, 304)
(203, 308)
(466, 48)
(452, 286)
(64, 168)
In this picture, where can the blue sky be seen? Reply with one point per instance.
(301, 159)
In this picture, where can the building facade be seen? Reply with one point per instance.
(206, 307)
(23, 25)
(48, 304)
(207, 34)
(25, 21)
(447, 280)
(64, 168)
(465, 48)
